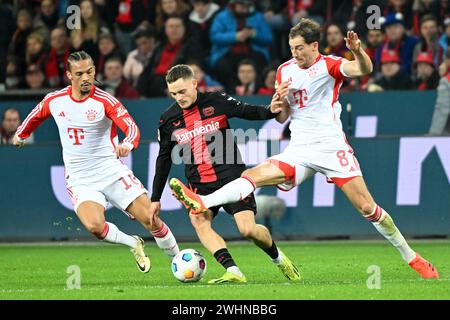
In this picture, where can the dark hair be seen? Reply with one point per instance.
(9, 109)
(148, 32)
(114, 59)
(307, 29)
(78, 56)
(340, 27)
(180, 71)
(428, 17)
(176, 16)
(245, 62)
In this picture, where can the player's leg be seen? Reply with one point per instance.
(91, 215)
(215, 244)
(260, 235)
(358, 194)
(164, 237)
(263, 174)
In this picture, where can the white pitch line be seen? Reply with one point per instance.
(187, 286)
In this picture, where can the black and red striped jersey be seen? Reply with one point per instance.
(206, 147)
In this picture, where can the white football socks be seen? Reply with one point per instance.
(112, 234)
(233, 191)
(385, 225)
(166, 241)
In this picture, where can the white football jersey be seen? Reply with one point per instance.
(88, 134)
(313, 98)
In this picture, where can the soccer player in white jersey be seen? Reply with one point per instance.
(87, 120)
(318, 143)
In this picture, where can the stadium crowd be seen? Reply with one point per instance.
(234, 45)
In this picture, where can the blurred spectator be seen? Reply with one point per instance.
(36, 50)
(402, 7)
(426, 76)
(276, 14)
(176, 49)
(10, 123)
(247, 77)
(396, 39)
(440, 123)
(426, 7)
(167, 8)
(107, 48)
(268, 80)
(35, 78)
(353, 15)
(57, 60)
(205, 83)
(107, 10)
(138, 59)
(130, 15)
(200, 21)
(6, 31)
(86, 38)
(18, 45)
(429, 39)
(335, 43)
(14, 78)
(444, 41)
(317, 10)
(114, 82)
(46, 19)
(238, 32)
(391, 77)
(374, 40)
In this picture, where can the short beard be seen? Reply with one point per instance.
(84, 92)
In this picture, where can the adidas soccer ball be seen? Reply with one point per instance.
(188, 265)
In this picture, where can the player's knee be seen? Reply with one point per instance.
(365, 207)
(147, 223)
(198, 221)
(95, 228)
(246, 231)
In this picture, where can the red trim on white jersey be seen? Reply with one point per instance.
(39, 114)
(334, 66)
(120, 117)
(113, 134)
(278, 75)
(91, 93)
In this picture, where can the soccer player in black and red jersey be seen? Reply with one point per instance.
(198, 123)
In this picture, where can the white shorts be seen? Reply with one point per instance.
(334, 159)
(120, 193)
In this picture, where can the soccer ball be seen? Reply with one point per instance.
(188, 265)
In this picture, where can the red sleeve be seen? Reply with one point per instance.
(334, 67)
(120, 116)
(38, 115)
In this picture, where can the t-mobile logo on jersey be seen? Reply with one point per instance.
(78, 134)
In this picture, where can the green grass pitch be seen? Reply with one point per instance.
(330, 270)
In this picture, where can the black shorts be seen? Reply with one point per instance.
(204, 189)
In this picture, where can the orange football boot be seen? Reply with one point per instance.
(424, 268)
(187, 197)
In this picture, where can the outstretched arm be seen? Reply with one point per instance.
(362, 64)
(38, 115)
(238, 109)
